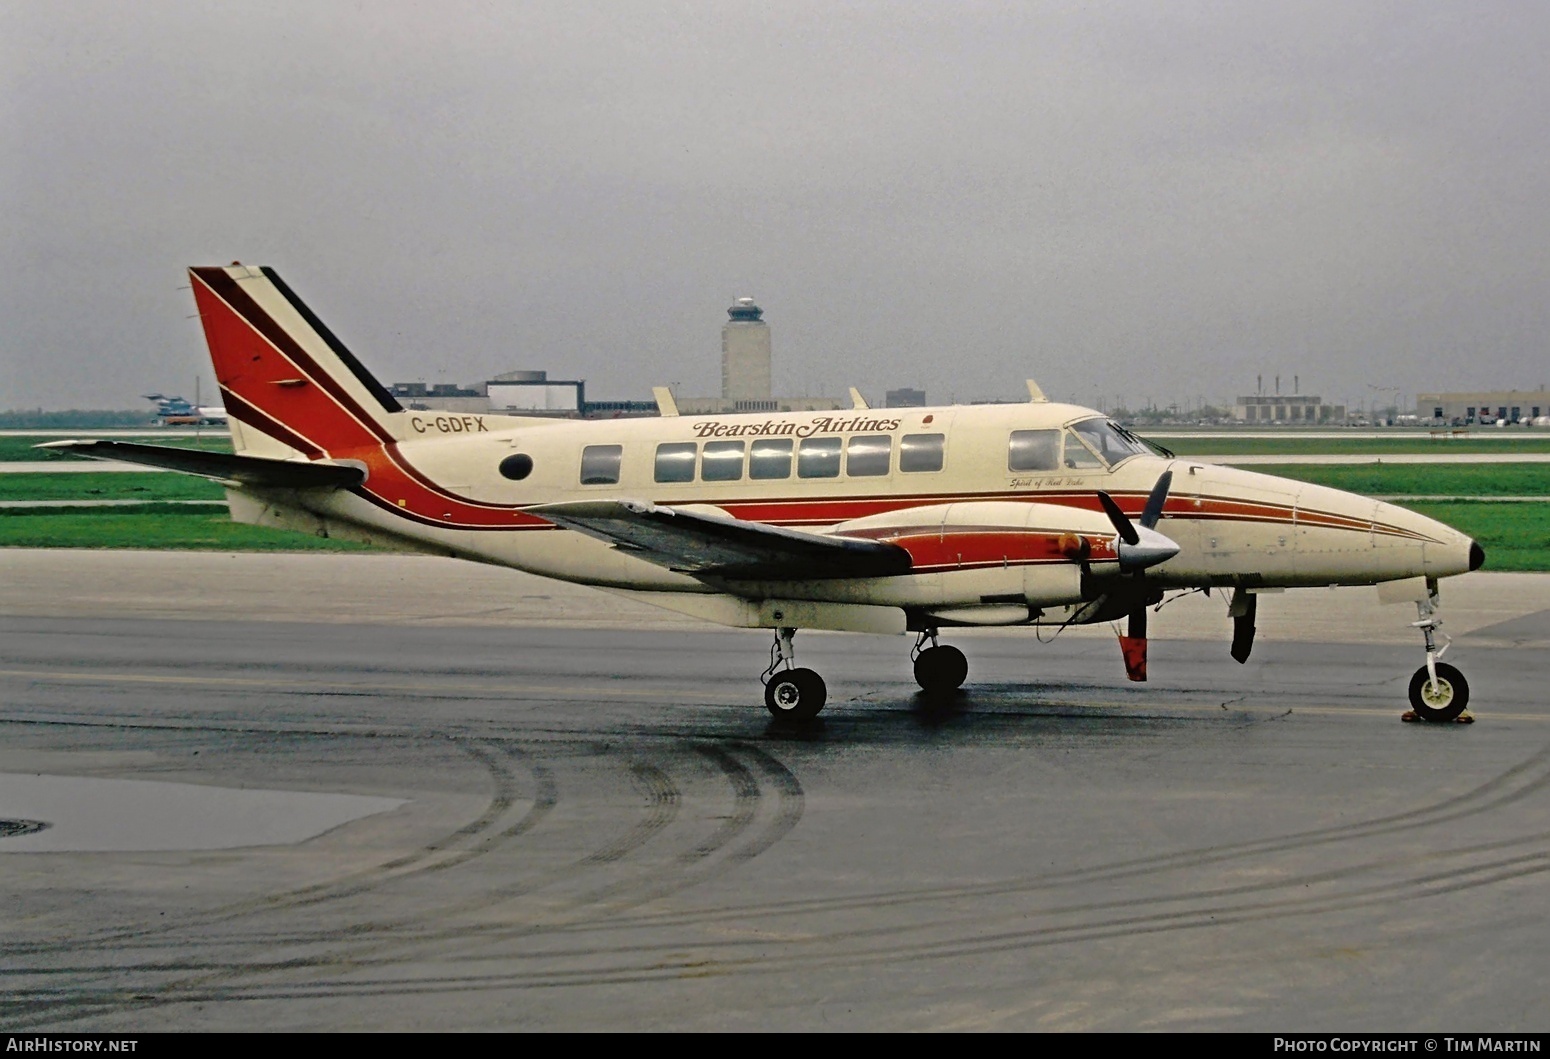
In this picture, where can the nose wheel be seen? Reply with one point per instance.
(1438, 691)
(1440, 698)
(791, 693)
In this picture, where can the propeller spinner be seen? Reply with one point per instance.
(1141, 546)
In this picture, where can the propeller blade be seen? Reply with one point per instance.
(1154, 503)
(1122, 524)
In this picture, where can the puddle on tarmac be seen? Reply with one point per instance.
(86, 815)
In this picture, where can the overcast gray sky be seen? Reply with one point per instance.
(1125, 200)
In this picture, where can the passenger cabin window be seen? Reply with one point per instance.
(675, 461)
(819, 458)
(921, 452)
(868, 455)
(722, 461)
(770, 458)
(1034, 450)
(600, 464)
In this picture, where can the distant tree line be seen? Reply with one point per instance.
(38, 419)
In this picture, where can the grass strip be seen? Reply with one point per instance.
(19, 448)
(108, 485)
(157, 526)
(1516, 537)
(1421, 479)
(1292, 445)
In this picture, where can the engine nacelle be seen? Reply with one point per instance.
(996, 555)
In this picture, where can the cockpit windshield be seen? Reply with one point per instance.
(1112, 442)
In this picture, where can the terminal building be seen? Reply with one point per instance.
(1297, 409)
(1484, 407)
(514, 393)
(745, 385)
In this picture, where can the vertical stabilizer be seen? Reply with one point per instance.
(289, 385)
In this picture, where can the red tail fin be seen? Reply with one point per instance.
(281, 370)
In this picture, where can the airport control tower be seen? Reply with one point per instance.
(745, 357)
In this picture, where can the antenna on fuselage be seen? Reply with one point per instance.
(857, 401)
(666, 406)
(1035, 394)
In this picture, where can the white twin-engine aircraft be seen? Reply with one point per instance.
(882, 521)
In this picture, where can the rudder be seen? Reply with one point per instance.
(283, 374)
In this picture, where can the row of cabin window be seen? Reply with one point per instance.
(864, 455)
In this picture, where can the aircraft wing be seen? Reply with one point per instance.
(226, 466)
(722, 547)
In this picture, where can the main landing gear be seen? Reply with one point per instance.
(1438, 691)
(939, 669)
(791, 694)
(795, 694)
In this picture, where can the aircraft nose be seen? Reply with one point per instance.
(1476, 555)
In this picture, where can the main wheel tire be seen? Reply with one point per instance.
(1442, 702)
(942, 669)
(795, 695)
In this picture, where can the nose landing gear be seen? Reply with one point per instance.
(1438, 691)
(791, 694)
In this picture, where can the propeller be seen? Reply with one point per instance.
(1140, 547)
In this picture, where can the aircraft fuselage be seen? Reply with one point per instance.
(980, 495)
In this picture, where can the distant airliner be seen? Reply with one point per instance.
(178, 412)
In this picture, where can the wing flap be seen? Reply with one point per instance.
(722, 547)
(223, 466)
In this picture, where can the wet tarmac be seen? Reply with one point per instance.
(601, 829)
(90, 815)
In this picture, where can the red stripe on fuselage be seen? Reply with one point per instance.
(984, 548)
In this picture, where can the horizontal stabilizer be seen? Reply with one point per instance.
(249, 470)
(723, 547)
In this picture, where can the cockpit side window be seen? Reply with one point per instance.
(1033, 450)
(1079, 457)
(1112, 444)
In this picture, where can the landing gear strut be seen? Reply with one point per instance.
(1438, 691)
(939, 669)
(791, 694)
